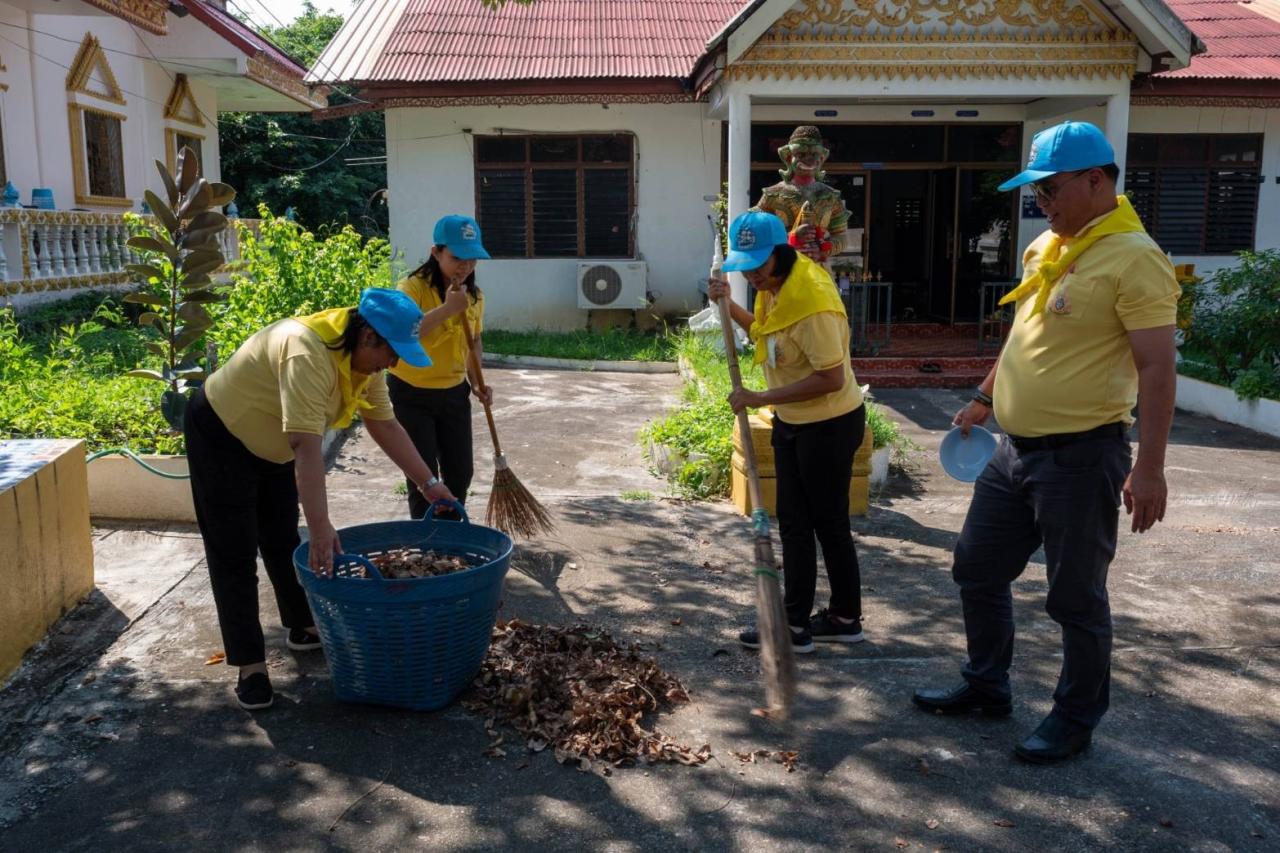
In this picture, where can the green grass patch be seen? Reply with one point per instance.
(637, 495)
(610, 345)
(700, 430)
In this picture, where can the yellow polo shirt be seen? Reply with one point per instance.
(445, 344)
(818, 342)
(1071, 369)
(284, 379)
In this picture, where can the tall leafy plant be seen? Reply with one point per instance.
(179, 260)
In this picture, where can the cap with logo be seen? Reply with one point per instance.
(460, 235)
(1067, 147)
(752, 237)
(396, 317)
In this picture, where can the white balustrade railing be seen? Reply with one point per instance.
(46, 250)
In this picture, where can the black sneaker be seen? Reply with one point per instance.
(254, 692)
(826, 628)
(801, 643)
(302, 640)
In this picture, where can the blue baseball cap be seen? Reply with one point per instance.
(752, 237)
(1067, 147)
(397, 318)
(460, 235)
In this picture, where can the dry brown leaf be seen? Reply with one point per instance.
(1167, 823)
(677, 621)
(575, 689)
(932, 824)
(1005, 822)
(216, 658)
(901, 843)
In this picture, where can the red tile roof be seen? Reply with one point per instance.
(460, 41)
(1243, 39)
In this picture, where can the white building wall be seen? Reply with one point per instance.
(431, 172)
(37, 134)
(1151, 119)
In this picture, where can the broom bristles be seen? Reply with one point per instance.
(511, 508)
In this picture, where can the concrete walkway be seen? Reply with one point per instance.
(117, 736)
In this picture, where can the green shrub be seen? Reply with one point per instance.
(287, 271)
(63, 381)
(1235, 326)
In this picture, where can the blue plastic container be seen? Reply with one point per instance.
(42, 198)
(413, 643)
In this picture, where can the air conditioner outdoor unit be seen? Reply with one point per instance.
(612, 284)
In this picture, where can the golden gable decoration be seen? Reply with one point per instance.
(89, 59)
(967, 13)
(148, 14)
(181, 105)
(939, 39)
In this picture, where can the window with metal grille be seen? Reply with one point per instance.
(1197, 193)
(556, 196)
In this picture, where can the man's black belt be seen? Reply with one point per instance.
(1062, 439)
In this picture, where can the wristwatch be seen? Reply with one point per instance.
(980, 396)
(434, 481)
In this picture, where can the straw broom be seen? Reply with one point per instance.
(776, 655)
(511, 508)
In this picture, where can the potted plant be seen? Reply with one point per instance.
(176, 271)
(178, 255)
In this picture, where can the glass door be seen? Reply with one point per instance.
(985, 238)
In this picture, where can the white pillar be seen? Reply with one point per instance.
(739, 175)
(1117, 129)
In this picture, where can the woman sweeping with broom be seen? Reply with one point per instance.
(434, 402)
(801, 335)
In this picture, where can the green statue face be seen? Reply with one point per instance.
(803, 158)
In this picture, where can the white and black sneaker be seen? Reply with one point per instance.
(302, 640)
(826, 628)
(254, 692)
(801, 642)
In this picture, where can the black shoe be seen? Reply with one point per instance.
(254, 692)
(1057, 738)
(302, 640)
(962, 700)
(826, 628)
(801, 643)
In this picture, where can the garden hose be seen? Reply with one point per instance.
(124, 451)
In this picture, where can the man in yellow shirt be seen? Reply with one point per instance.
(1092, 336)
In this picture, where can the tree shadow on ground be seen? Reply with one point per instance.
(316, 774)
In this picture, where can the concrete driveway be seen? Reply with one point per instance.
(117, 736)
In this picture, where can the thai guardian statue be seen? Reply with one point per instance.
(812, 211)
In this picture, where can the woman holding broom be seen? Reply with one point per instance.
(801, 336)
(434, 402)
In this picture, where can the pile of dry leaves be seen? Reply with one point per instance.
(575, 690)
(400, 563)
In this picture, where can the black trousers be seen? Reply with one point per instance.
(814, 465)
(245, 506)
(1068, 499)
(438, 421)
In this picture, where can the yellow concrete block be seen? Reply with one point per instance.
(46, 566)
(742, 495)
(761, 437)
(859, 491)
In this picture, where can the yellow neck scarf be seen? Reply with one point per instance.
(330, 326)
(1124, 219)
(807, 291)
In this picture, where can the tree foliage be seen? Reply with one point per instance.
(290, 160)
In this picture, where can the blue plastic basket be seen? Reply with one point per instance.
(413, 643)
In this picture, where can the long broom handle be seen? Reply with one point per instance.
(744, 423)
(474, 361)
